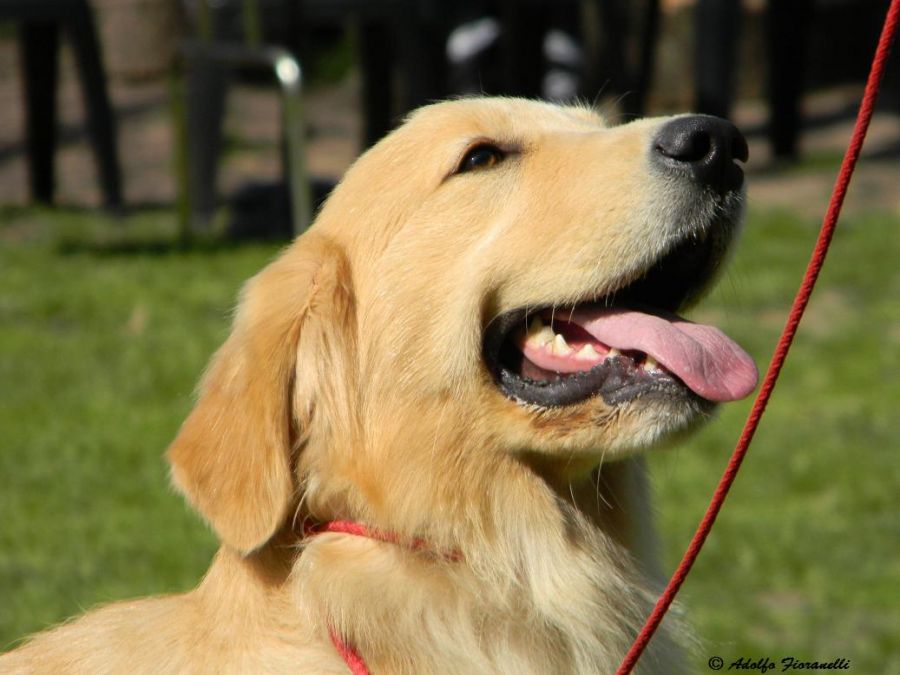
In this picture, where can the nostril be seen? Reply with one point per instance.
(686, 147)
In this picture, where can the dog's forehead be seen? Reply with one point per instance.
(400, 172)
(501, 118)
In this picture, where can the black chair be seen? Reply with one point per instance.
(40, 22)
(229, 36)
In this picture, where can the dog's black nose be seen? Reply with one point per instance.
(705, 148)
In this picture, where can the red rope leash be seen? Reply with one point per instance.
(784, 343)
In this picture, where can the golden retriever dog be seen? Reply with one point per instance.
(458, 361)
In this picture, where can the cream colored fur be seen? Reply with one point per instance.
(352, 386)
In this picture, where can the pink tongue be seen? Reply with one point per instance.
(706, 360)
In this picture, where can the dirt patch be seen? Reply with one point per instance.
(252, 145)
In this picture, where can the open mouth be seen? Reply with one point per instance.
(627, 345)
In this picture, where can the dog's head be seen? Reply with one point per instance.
(496, 280)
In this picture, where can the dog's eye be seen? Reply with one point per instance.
(482, 156)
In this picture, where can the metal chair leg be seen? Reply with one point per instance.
(39, 45)
(787, 35)
(290, 77)
(206, 81)
(207, 68)
(101, 123)
(717, 27)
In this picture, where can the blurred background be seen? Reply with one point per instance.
(154, 154)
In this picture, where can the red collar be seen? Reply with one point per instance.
(348, 652)
(359, 530)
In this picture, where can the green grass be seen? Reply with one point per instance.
(804, 560)
(105, 329)
(102, 339)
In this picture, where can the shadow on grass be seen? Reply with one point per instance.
(256, 214)
(822, 160)
(140, 229)
(160, 248)
(811, 121)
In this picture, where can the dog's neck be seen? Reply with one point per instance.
(527, 593)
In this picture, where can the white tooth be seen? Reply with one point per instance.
(613, 352)
(560, 346)
(538, 335)
(543, 337)
(587, 353)
(650, 363)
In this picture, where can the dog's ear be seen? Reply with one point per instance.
(234, 455)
